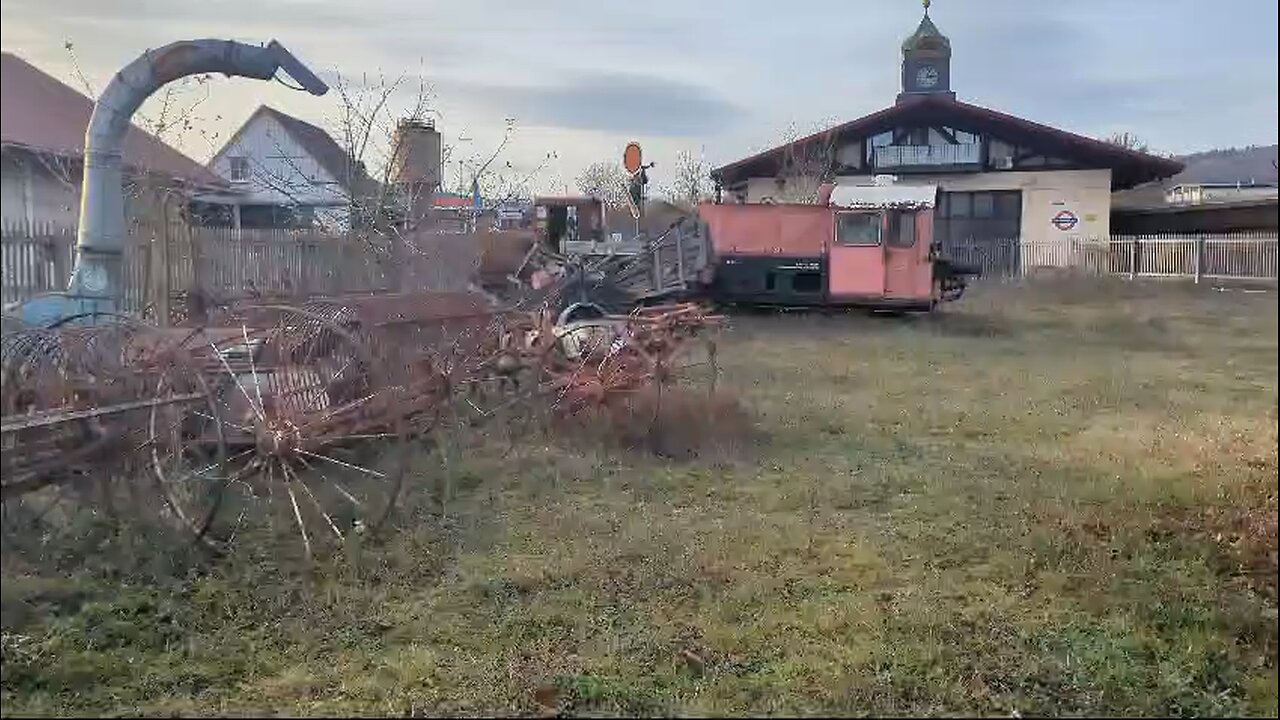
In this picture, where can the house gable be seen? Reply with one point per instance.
(939, 134)
(266, 162)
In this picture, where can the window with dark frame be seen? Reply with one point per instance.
(858, 229)
(1008, 204)
(902, 230)
(239, 168)
(984, 205)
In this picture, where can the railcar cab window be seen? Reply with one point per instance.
(902, 230)
(855, 228)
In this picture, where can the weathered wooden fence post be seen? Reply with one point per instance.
(160, 262)
(680, 255)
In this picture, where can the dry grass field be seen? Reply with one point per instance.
(1051, 499)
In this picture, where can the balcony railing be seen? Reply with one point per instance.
(904, 157)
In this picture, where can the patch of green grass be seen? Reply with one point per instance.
(1052, 499)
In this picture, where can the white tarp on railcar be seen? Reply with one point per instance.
(884, 196)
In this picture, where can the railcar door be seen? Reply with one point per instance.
(908, 271)
(856, 259)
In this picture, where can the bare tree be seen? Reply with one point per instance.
(806, 162)
(1128, 141)
(690, 184)
(516, 186)
(608, 181)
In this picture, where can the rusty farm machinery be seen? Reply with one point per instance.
(292, 421)
(300, 420)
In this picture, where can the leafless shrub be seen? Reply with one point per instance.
(606, 180)
(678, 423)
(689, 186)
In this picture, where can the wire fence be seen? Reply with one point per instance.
(1240, 256)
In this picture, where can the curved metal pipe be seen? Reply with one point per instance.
(100, 238)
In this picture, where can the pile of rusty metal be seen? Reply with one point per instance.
(302, 421)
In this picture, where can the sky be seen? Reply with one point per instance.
(720, 79)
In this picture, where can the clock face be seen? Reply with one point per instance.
(926, 76)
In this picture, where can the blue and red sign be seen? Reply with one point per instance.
(1065, 220)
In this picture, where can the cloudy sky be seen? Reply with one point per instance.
(720, 78)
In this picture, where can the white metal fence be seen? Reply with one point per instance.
(1214, 257)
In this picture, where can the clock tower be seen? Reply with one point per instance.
(926, 61)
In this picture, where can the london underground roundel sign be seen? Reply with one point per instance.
(1065, 220)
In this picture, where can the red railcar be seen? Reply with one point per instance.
(860, 245)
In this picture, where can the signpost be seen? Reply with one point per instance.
(632, 158)
(633, 163)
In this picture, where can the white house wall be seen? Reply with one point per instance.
(281, 171)
(1086, 193)
(31, 193)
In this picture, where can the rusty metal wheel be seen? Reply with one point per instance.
(302, 440)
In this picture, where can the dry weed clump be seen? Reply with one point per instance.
(675, 422)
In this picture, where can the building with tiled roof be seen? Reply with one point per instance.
(42, 131)
(1000, 176)
(288, 172)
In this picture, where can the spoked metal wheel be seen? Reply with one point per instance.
(301, 444)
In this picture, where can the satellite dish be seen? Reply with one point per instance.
(631, 158)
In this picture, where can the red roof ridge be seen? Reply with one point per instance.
(40, 112)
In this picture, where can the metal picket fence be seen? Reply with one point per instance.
(1240, 256)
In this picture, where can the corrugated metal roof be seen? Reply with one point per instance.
(38, 112)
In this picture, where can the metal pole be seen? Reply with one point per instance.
(1199, 259)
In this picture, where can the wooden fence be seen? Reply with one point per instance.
(227, 264)
(38, 259)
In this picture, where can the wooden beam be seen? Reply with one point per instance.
(947, 135)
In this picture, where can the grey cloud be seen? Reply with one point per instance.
(613, 102)
(1181, 73)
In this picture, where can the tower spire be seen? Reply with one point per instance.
(926, 59)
